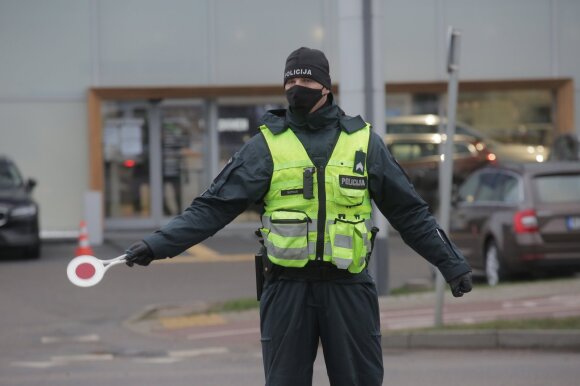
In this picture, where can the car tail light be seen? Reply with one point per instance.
(525, 221)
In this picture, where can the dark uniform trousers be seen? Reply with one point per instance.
(296, 314)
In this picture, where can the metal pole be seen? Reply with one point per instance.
(446, 169)
(155, 161)
(362, 91)
(375, 110)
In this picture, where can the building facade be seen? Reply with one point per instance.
(145, 100)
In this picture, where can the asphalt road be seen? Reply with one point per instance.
(53, 333)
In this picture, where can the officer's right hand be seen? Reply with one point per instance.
(139, 253)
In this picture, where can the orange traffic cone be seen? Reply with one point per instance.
(84, 248)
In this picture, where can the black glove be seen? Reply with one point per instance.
(139, 253)
(461, 285)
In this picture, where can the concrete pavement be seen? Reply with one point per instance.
(401, 314)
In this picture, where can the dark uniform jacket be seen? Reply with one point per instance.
(246, 179)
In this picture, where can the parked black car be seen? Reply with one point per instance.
(522, 218)
(19, 230)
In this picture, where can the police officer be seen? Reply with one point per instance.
(316, 171)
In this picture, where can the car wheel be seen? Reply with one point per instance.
(493, 269)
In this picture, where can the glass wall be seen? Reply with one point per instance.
(183, 156)
(521, 116)
(159, 155)
(238, 121)
(126, 160)
(154, 155)
(511, 117)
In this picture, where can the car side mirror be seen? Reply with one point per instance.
(30, 184)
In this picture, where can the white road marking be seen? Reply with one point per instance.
(78, 338)
(82, 358)
(198, 352)
(158, 360)
(36, 365)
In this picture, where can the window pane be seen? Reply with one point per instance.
(468, 189)
(562, 188)
(509, 189)
(488, 189)
(127, 163)
(238, 121)
(183, 155)
(9, 176)
(520, 116)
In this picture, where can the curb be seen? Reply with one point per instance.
(485, 339)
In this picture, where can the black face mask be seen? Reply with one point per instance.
(302, 99)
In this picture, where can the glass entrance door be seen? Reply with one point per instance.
(126, 144)
(154, 161)
(183, 144)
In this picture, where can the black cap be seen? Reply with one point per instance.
(308, 63)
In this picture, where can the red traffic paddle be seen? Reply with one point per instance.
(87, 271)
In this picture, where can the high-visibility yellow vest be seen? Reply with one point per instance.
(318, 213)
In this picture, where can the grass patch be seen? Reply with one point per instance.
(405, 290)
(569, 323)
(235, 305)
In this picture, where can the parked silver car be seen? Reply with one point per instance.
(502, 152)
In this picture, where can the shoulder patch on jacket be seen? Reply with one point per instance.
(275, 120)
(352, 124)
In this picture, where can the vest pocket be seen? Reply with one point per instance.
(349, 196)
(349, 243)
(285, 236)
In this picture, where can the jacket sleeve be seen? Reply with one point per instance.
(398, 201)
(243, 181)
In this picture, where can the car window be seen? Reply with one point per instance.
(488, 188)
(558, 188)
(9, 176)
(508, 189)
(429, 149)
(412, 151)
(468, 189)
(405, 151)
(464, 148)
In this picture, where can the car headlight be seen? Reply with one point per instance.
(24, 211)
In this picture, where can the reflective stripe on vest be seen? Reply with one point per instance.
(290, 223)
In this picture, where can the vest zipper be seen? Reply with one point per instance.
(321, 226)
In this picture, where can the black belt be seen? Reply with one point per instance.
(316, 271)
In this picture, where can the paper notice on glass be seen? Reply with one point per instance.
(131, 140)
(111, 140)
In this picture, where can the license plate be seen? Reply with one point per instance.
(573, 223)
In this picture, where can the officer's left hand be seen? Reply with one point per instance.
(461, 285)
